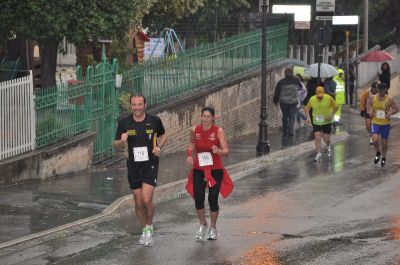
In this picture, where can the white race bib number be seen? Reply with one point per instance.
(320, 118)
(140, 154)
(380, 114)
(205, 159)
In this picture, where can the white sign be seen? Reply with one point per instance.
(155, 46)
(345, 20)
(302, 14)
(325, 6)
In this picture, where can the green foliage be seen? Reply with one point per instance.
(47, 125)
(124, 102)
(168, 13)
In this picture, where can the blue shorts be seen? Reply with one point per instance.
(383, 130)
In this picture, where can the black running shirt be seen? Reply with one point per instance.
(141, 134)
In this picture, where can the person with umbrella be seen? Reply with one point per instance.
(380, 56)
(381, 108)
(384, 76)
(286, 93)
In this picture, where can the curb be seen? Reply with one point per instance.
(177, 188)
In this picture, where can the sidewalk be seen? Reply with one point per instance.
(36, 209)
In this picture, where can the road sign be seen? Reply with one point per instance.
(327, 6)
(323, 18)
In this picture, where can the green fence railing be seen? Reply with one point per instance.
(160, 80)
(91, 103)
(61, 111)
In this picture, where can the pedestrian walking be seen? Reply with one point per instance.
(330, 87)
(286, 94)
(323, 109)
(208, 144)
(340, 95)
(302, 94)
(365, 100)
(384, 76)
(145, 136)
(381, 107)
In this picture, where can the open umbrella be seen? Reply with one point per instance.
(326, 70)
(377, 56)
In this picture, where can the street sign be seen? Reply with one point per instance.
(325, 6)
(323, 17)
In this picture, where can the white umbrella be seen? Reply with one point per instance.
(326, 70)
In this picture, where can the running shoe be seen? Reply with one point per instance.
(370, 141)
(148, 238)
(318, 157)
(142, 237)
(329, 151)
(202, 230)
(212, 234)
(377, 157)
(383, 162)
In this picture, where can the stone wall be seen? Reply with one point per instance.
(73, 155)
(237, 106)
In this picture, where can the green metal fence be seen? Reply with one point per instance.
(91, 104)
(61, 111)
(161, 80)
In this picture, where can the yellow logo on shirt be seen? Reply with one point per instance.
(131, 132)
(149, 131)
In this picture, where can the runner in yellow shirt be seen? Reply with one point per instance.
(323, 109)
(381, 107)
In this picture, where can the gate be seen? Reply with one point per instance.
(104, 107)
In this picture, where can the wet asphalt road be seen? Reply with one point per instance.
(344, 210)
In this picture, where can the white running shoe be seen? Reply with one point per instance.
(318, 157)
(202, 230)
(370, 141)
(148, 238)
(212, 234)
(142, 238)
(329, 151)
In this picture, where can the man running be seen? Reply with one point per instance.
(145, 135)
(382, 107)
(366, 97)
(323, 108)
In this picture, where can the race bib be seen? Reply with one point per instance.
(320, 118)
(380, 114)
(205, 159)
(140, 154)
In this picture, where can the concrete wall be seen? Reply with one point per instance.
(237, 106)
(71, 156)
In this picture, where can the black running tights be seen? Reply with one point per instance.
(199, 189)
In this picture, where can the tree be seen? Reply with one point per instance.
(48, 22)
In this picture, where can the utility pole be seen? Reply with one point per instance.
(263, 143)
(366, 25)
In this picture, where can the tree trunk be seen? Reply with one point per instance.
(48, 62)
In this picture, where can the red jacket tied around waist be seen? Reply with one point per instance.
(204, 140)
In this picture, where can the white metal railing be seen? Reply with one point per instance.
(17, 117)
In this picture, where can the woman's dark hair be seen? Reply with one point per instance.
(388, 67)
(209, 109)
(382, 86)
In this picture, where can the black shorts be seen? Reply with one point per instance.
(327, 128)
(142, 172)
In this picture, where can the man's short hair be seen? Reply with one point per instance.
(288, 72)
(137, 95)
